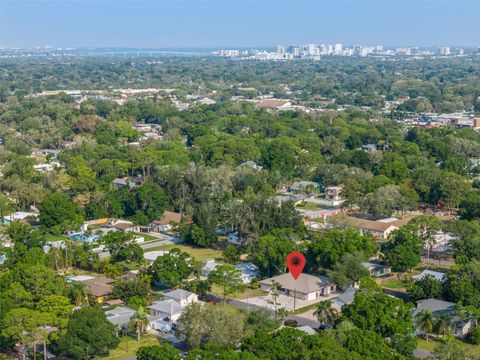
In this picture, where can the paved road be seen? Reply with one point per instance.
(163, 240)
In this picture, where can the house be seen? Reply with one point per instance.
(306, 287)
(151, 256)
(99, 288)
(377, 270)
(21, 216)
(437, 275)
(346, 298)
(234, 238)
(167, 310)
(167, 221)
(250, 164)
(277, 104)
(123, 225)
(44, 168)
(460, 326)
(304, 186)
(205, 101)
(249, 271)
(332, 194)
(208, 266)
(379, 228)
(120, 316)
(126, 182)
(183, 297)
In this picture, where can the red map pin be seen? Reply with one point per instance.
(295, 263)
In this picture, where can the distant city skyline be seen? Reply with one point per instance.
(238, 23)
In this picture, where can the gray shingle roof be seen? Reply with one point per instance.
(169, 306)
(178, 294)
(305, 283)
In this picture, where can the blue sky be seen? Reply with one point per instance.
(238, 23)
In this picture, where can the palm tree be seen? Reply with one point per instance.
(274, 293)
(325, 313)
(140, 322)
(425, 322)
(78, 292)
(443, 324)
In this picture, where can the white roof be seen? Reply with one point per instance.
(19, 215)
(388, 220)
(153, 255)
(82, 278)
(440, 276)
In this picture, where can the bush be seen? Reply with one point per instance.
(291, 323)
(474, 336)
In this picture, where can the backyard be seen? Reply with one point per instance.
(128, 346)
(196, 252)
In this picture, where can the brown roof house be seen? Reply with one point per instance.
(98, 289)
(306, 287)
(278, 104)
(167, 221)
(379, 228)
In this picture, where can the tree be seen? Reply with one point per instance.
(6, 206)
(327, 249)
(269, 253)
(77, 292)
(474, 335)
(88, 334)
(427, 225)
(158, 352)
(443, 324)
(424, 288)
(139, 322)
(450, 350)
(470, 206)
(404, 248)
(325, 313)
(127, 289)
(349, 270)
(27, 327)
(389, 317)
(424, 321)
(172, 268)
(217, 324)
(228, 277)
(231, 254)
(58, 213)
(122, 246)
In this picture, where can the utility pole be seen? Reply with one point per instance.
(294, 299)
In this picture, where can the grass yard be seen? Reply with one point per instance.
(146, 236)
(308, 206)
(303, 309)
(196, 252)
(247, 293)
(432, 344)
(394, 284)
(128, 346)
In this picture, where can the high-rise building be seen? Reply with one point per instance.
(444, 50)
(280, 49)
(337, 49)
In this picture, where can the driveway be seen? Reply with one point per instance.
(164, 240)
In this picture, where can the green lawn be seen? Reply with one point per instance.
(129, 346)
(146, 236)
(394, 284)
(247, 293)
(196, 252)
(303, 309)
(432, 344)
(308, 206)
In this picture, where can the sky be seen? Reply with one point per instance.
(237, 23)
